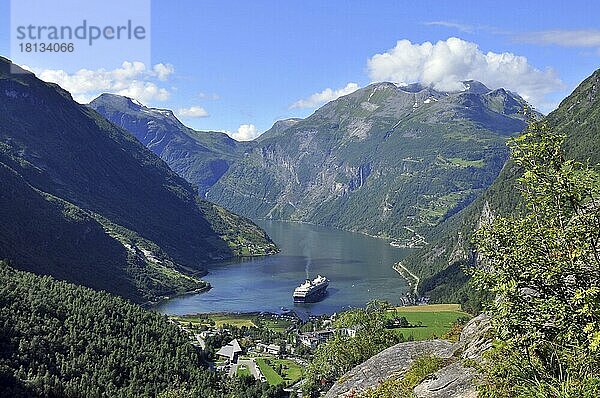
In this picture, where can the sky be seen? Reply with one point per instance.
(239, 66)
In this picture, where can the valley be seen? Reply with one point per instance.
(299, 200)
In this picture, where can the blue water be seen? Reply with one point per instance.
(359, 269)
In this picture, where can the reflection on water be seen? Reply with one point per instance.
(359, 268)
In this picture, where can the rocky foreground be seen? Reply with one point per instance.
(454, 380)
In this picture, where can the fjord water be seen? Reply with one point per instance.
(359, 268)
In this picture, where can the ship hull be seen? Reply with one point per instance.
(313, 297)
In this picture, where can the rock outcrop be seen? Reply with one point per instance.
(456, 380)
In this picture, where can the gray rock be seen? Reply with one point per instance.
(453, 381)
(394, 360)
(474, 339)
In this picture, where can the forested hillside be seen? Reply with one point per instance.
(62, 340)
(201, 157)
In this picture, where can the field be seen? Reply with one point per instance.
(239, 320)
(435, 320)
(277, 325)
(272, 377)
(290, 370)
(243, 370)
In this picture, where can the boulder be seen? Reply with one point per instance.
(453, 381)
(389, 362)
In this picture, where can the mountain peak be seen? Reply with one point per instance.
(125, 104)
(475, 87)
(118, 100)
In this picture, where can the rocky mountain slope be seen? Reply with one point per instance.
(84, 201)
(439, 264)
(201, 157)
(385, 160)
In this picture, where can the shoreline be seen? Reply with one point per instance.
(200, 290)
(389, 239)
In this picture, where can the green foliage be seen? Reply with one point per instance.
(542, 267)
(508, 373)
(341, 353)
(402, 386)
(62, 340)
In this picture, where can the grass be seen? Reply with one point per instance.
(273, 378)
(243, 370)
(277, 325)
(435, 320)
(431, 308)
(239, 320)
(292, 372)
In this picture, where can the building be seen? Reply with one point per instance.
(313, 339)
(231, 351)
(274, 349)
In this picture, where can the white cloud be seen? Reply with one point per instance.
(163, 71)
(212, 97)
(324, 96)
(564, 38)
(132, 79)
(192, 112)
(453, 25)
(246, 132)
(448, 62)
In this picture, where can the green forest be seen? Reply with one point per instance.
(62, 340)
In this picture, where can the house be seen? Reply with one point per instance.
(273, 349)
(348, 332)
(313, 339)
(231, 351)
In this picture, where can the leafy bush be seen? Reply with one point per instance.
(543, 267)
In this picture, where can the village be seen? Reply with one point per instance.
(277, 348)
(272, 348)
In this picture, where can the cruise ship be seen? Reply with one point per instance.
(311, 291)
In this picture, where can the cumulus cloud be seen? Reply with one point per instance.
(192, 112)
(163, 71)
(324, 96)
(246, 132)
(132, 79)
(445, 64)
(563, 38)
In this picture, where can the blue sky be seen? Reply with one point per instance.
(231, 63)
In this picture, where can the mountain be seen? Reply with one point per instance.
(439, 264)
(385, 160)
(201, 157)
(278, 128)
(84, 201)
